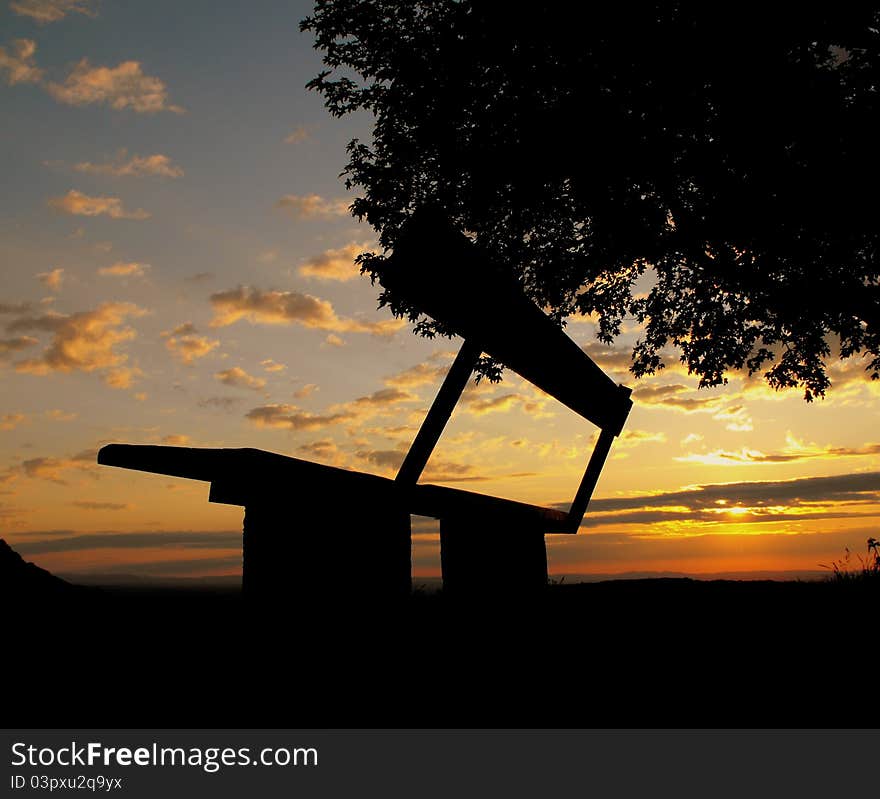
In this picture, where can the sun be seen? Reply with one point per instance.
(737, 511)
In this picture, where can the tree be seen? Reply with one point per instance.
(711, 171)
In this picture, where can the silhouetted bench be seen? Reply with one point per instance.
(311, 529)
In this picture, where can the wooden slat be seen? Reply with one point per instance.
(438, 415)
(440, 271)
(242, 476)
(589, 480)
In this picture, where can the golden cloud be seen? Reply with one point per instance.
(44, 11)
(324, 450)
(610, 359)
(52, 280)
(135, 166)
(57, 415)
(422, 374)
(290, 417)
(438, 471)
(736, 417)
(120, 87)
(306, 391)
(18, 62)
(87, 341)
(87, 504)
(122, 269)
(384, 396)
(794, 450)
(289, 307)
(239, 378)
(76, 203)
(480, 407)
(11, 345)
(336, 264)
(176, 440)
(50, 468)
(634, 438)
(271, 366)
(298, 134)
(313, 206)
(185, 344)
(9, 421)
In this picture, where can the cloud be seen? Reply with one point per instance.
(323, 448)
(186, 345)
(389, 460)
(135, 166)
(306, 391)
(271, 366)
(299, 134)
(860, 487)
(45, 11)
(52, 280)
(313, 206)
(439, 471)
(239, 378)
(634, 438)
(86, 504)
(290, 417)
(57, 415)
(289, 307)
(500, 404)
(610, 359)
(18, 62)
(76, 203)
(334, 341)
(795, 452)
(223, 403)
(122, 269)
(422, 374)
(474, 400)
(9, 421)
(669, 396)
(176, 440)
(200, 277)
(16, 307)
(131, 540)
(51, 468)
(336, 264)
(385, 459)
(737, 418)
(11, 345)
(86, 341)
(120, 87)
(382, 397)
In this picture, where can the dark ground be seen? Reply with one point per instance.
(642, 653)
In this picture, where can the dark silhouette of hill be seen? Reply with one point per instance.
(626, 653)
(21, 579)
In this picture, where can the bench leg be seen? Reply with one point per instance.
(477, 560)
(296, 554)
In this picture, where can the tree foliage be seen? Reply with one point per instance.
(710, 170)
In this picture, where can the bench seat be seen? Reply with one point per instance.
(248, 476)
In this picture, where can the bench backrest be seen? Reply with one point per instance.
(441, 272)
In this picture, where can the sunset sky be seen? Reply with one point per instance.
(177, 258)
